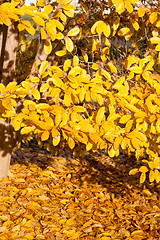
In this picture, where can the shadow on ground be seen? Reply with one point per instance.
(98, 168)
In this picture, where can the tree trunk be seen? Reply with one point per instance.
(8, 139)
(8, 49)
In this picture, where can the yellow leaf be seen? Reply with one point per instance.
(119, 83)
(27, 130)
(120, 6)
(55, 132)
(107, 42)
(125, 118)
(57, 23)
(89, 146)
(35, 79)
(6, 102)
(68, 7)
(27, 224)
(69, 45)
(7, 223)
(142, 177)
(116, 25)
(111, 152)
(112, 67)
(133, 171)
(106, 29)
(141, 12)
(67, 100)
(79, 109)
(150, 65)
(85, 56)
(61, 53)
(47, 47)
(135, 143)
(95, 66)
(82, 92)
(93, 28)
(95, 44)
(103, 57)
(157, 48)
(100, 27)
(153, 17)
(123, 31)
(66, 1)
(134, 24)
(44, 87)
(140, 114)
(2, 88)
(128, 6)
(105, 238)
(43, 67)
(151, 176)
(33, 206)
(38, 20)
(128, 125)
(141, 136)
(100, 115)
(136, 69)
(138, 232)
(71, 143)
(106, 74)
(21, 27)
(57, 81)
(43, 106)
(48, 9)
(60, 1)
(11, 87)
(56, 140)
(117, 142)
(158, 24)
(35, 93)
(59, 36)
(67, 65)
(155, 40)
(143, 169)
(157, 176)
(31, 30)
(125, 143)
(75, 61)
(35, 65)
(45, 135)
(70, 222)
(5, 20)
(40, 3)
(73, 32)
(69, 13)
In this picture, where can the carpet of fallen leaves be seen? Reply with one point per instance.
(48, 197)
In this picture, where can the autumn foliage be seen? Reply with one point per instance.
(102, 88)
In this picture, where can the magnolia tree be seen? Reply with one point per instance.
(94, 82)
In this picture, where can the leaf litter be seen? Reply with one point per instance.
(62, 197)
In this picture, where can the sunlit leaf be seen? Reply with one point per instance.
(73, 32)
(27, 130)
(133, 171)
(47, 47)
(69, 45)
(45, 135)
(35, 93)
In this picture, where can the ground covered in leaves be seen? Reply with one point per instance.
(48, 197)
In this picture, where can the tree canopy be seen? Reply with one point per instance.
(95, 81)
